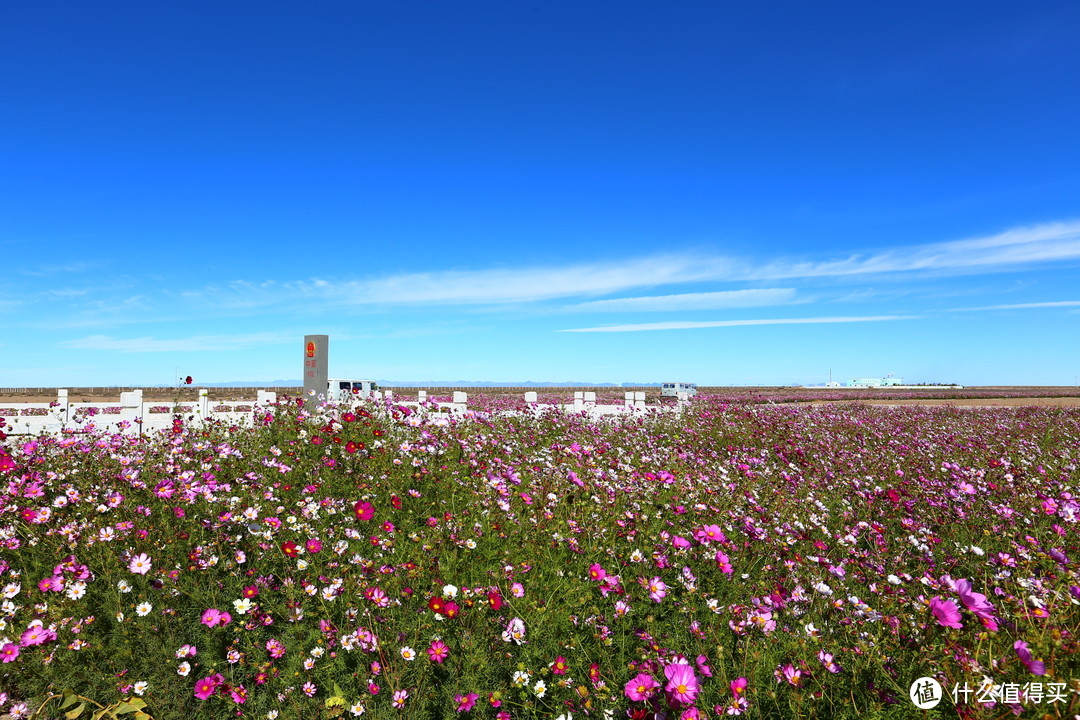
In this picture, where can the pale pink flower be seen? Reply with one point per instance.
(140, 564)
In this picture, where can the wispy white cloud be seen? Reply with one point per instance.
(197, 343)
(691, 301)
(1023, 306)
(689, 325)
(467, 287)
(1019, 246)
(590, 285)
(49, 270)
(1015, 248)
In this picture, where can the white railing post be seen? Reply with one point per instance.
(461, 400)
(589, 398)
(131, 405)
(639, 399)
(63, 409)
(421, 396)
(204, 407)
(629, 401)
(530, 398)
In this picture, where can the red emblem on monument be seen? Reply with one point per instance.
(310, 350)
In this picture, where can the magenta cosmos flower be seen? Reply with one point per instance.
(438, 652)
(54, 583)
(36, 635)
(1035, 667)
(9, 652)
(212, 617)
(206, 687)
(946, 612)
(465, 702)
(641, 687)
(364, 510)
(977, 604)
(682, 683)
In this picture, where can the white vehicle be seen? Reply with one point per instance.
(345, 390)
(674, 388)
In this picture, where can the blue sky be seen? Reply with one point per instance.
(724, 193)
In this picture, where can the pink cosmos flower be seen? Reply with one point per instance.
(709, 533)
(140, 564)
(517, 590)
(827, 660)
(679, 542)
(977, 604)
(36, 635)
(596, 572)
(205, 687)
(212, 617)
(641, 687)
(313, 545)
(738, 686)
(946, 612)
(723, 562)
(682, 683)
(791, 674)
(657, 589)
(53, 584)
(1035, 667)
(465, 702)
(364, 510)
(559, 667)
(398, 700)
(703, 666)
(9, 652)
(438, 652)
(275, 648)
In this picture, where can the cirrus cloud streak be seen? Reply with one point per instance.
(691, 325)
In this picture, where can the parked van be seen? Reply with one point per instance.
(674, 388)
(343, 390)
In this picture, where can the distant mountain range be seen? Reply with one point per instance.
(435, 383)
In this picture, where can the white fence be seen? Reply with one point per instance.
(132, 415)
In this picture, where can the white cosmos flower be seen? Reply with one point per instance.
(183, 669)
(242, 606)
(143, 609)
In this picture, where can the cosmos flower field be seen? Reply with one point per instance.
(734, 559)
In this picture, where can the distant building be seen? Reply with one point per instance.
(887, 381)
(672, 389)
